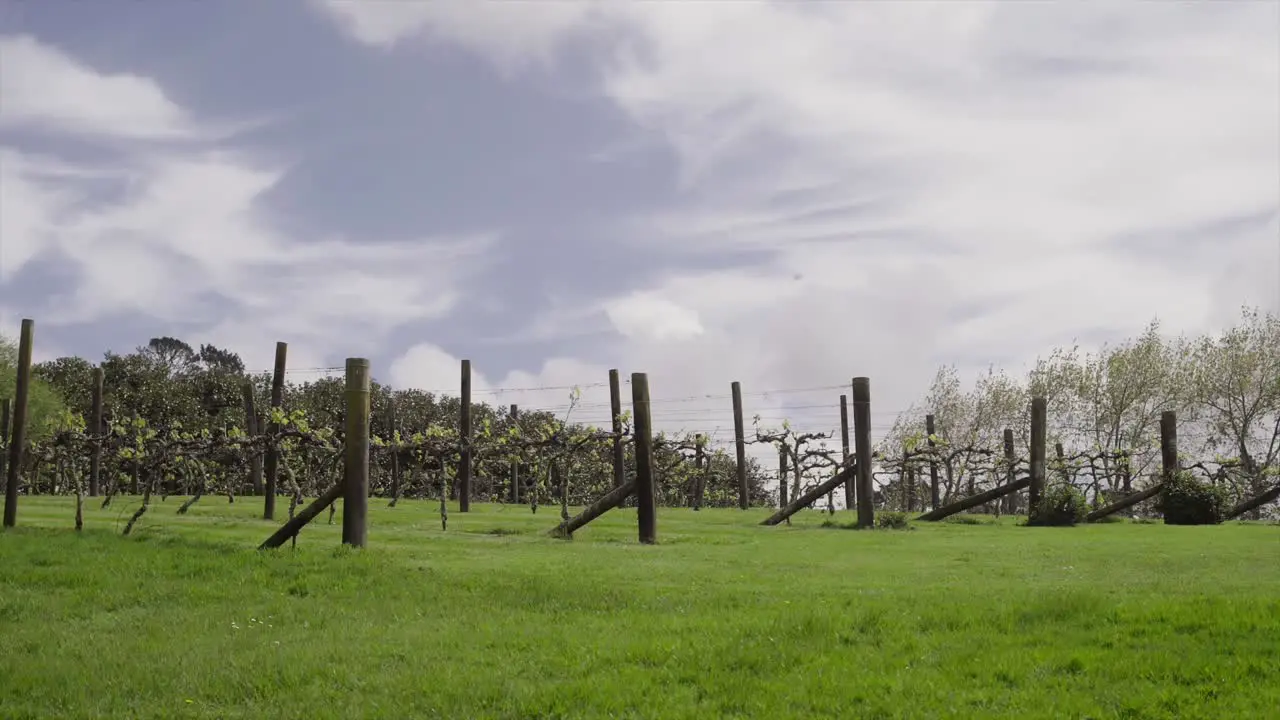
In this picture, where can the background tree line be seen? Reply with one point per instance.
(170, 383)
(1224, 387)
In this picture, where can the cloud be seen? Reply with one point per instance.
(885, 163)
(42, 87)
(185, 235)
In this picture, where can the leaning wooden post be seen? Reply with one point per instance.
(646, 497)
(783, 471)
(615, 408)
(862, 451)
(849, 492)
(1010, 473)
(355, 481)
(464, 430)
(18, 432)
(935, 494)
(740, 441)
(515, 463)
(251, 428)
(273, 452)
(95, 429)
(1168, 445)
(1039, 426)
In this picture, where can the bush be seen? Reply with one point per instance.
(1188, 500)
(893, 521)
(1060, 506)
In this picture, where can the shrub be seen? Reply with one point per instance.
(1188, 500)
(967, 520)
(1061, 505)
(893, 521)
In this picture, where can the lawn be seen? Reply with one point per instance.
(722, 619)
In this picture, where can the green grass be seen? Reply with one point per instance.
(723, 619)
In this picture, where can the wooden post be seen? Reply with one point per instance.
(973, 501)
(6, 409)
(395, 448)
(646, 500)
(862, 451)
(1010, 500)
(911, 488)
(935, 494)
(515, 464)
(615, 408)
(464, 430)
(273, 453)
(739, 439)
(611, 499)
(294, 526)
(18, 433)
(849, 492)
(701, 464)
(251, 428)
(807, 499)
(1168, 445)
(95, 428)
(355, 481)
(783, 471)
(1039, 423)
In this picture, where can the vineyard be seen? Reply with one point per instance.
(169, 420)
(466, 601)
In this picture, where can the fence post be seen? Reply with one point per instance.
(95, 428)
(18, 430)
(935, 493)
(464, 430)
(783, 471)
(252, 429)
(355, 482)
(395, 446)
(515, 464)
(1168, 445)
(646, 501)
(273, 453)
(700, 463)
(1039, 426)
(739, 439)
(6, 411)
(615, 408)
(862, 451)
(1010, 500)
(849, 493)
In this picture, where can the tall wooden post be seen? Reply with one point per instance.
(273, 453)
(615, 409)
(849, 492)
(393, 426)
(646, 497)
(935, 493)
(862, 451)
(95, 429)
(701, 463)
(252, 428)
(783, 472)
(464, 429)
(355, 482)
(515, 463)
(740, 441)
(1011, 500)
(1168, 445)
(6, 408)
(18, 430)
(1039, 427)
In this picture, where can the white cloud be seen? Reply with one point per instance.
(43, 87)
(183, 235)
(896, 160)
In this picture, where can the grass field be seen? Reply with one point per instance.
(722, 619)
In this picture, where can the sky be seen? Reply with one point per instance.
(787, 195)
